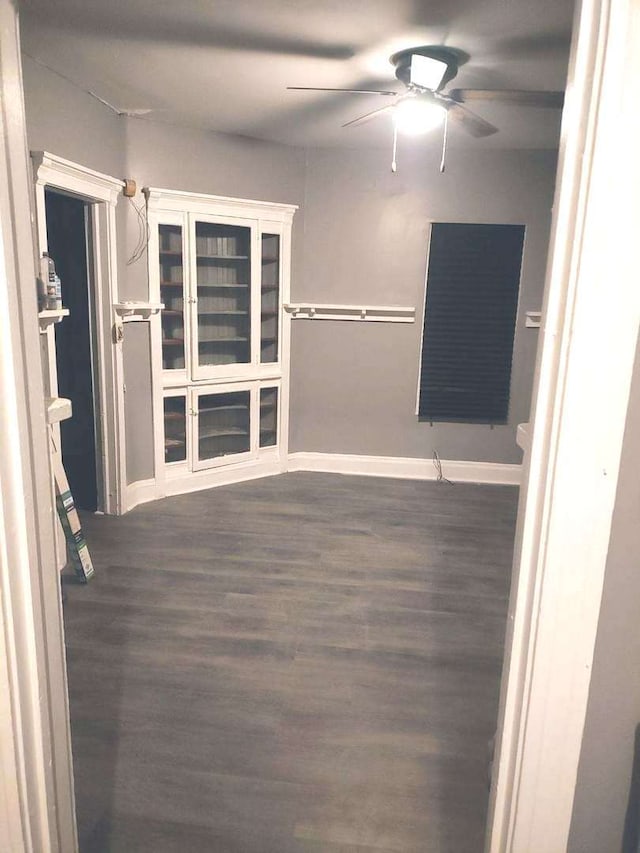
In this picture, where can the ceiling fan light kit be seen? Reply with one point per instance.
(414, 116)
(424, 71)
(426, 62)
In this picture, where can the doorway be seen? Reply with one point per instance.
(67, 220)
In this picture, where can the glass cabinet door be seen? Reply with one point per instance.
(172, 295)
(269, 297)
(175, 429)
(223, 277)
(268, 417)
(223, 426)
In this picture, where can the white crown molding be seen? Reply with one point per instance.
(179, 201)
(53, 171)
(403, 467)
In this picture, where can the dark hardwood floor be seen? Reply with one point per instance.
(302, 663)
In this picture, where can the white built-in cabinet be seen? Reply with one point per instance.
(220, 345)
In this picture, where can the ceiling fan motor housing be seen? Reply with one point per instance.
(451, 57)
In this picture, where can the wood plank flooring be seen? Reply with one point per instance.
(307, 663)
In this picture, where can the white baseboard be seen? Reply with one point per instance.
(406, 468)
(401, 467)
(198, 481)
(140, 492)
(144, 491)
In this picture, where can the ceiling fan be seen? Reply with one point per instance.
(425, 71)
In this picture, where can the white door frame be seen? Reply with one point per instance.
(101, 192)
(37, 813)
(584, 373)
(585, 364)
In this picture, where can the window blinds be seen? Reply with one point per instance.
(469, 324)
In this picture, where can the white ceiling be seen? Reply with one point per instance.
(224, 64)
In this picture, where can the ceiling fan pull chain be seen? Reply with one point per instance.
(444, 141)
(394, 165)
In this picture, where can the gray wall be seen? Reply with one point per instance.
(366, 235)
(360, 236)
(613, 710)
(64, 120)
(163, 155)
(68, 122)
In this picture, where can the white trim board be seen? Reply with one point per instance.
(371, 313)
(55, 171)
(212, 478)
(583, 381)
(140, 492)
(101, 192)
(400, 467)
(404, 467)
(179, 201)
(37, 813)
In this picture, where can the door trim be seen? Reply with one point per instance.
(547, 755)
(37, 812)
(101, 192)
(583, 376)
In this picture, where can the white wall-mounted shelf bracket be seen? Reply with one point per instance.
(48, 317)
(533, 319)
(370, 313)
(130, 312)
(58, 409)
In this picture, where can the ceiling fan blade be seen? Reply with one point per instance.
(349, 91)
(515, 97)
(469, 121)
(368, 116)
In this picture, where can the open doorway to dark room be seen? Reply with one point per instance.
(67, 238)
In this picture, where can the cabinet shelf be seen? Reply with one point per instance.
(174, 253)
(172, 342)
(224, 341)
(231, 407)
(171, 284)
(200, 257)
(172, 312)
(222, 432)
(221, 286)
(173, 443)
(223, 313)
(174, 416)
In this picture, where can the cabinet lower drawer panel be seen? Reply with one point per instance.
(224, 424)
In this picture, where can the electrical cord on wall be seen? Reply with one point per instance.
(437, 464)
(143, 232)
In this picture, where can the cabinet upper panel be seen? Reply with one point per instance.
(221, 269)
(223, 284)
(171, 271)
(270, 306)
